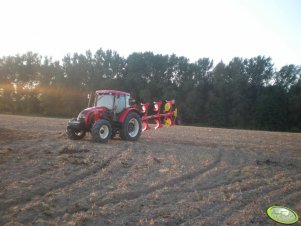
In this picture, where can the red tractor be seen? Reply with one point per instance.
(113, 113)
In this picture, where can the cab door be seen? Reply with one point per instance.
(119, 105)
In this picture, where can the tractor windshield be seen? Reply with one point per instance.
(104, 100)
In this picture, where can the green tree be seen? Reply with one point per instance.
(272, 109)
(287, 76)
(294, 108)
(238, 86)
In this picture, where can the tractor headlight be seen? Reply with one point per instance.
(143, 109)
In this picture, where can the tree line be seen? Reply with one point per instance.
(245, 93)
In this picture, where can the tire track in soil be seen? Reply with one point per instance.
(219, 175)
(246, 207)
(289, 199)
(208, 188)
(72, 206)
(136, 194)
(203, 187)
(37, 171)
(131, 195)
(75, 206)
(21, 201)
(83, 197)
(185, 177)
(219, 215)
(266, 193)
(43, 191)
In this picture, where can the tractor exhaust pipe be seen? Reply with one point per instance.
(89, 99)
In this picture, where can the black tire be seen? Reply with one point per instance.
(131, 127)
(113, 135)
(121, 135)
(101, 131)
(75, 134)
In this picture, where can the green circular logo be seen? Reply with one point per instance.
(282, 214)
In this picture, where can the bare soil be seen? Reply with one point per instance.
(171, 176)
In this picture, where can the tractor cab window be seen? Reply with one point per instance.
(120, 103)
(105, 100)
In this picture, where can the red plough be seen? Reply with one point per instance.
(167, 117)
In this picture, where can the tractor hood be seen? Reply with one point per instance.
(87, 111)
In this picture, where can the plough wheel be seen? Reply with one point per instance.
(167, 107)
(167, 122)
(175, 113)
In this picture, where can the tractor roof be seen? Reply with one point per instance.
(111, 92)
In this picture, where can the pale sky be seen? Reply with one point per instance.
(218, 29)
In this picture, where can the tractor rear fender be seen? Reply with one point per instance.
(126, 112)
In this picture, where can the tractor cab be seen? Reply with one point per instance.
(114, 101)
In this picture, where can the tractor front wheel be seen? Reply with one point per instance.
(101, 131)
(131, 127)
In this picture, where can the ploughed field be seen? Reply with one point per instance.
(171, 176)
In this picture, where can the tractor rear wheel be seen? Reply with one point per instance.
(131, 127)
(74, 134)
(101, 131)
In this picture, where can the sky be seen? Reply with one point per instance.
(218, 29)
